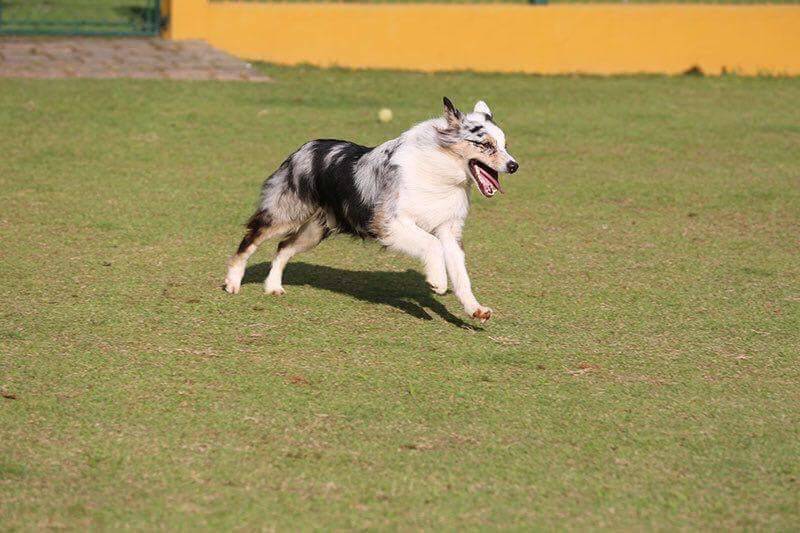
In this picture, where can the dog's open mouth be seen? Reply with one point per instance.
(485, 177)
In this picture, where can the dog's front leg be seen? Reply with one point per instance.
(450, 237)
(407, 237)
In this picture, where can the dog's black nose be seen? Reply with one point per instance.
(512, 167)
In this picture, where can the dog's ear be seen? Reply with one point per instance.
(452, 114)
(481, 107)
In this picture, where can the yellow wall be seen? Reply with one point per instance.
(588, 38)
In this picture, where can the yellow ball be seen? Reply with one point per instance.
(385, 115)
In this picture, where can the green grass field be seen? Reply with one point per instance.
(81, 16)
(641, 370)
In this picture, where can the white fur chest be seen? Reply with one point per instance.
(430, 208)
(434, 186)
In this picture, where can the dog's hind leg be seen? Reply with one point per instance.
(256, 233)
(307, 237)
(259, 228)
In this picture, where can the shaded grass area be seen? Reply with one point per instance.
(77, 16)
(70, 9)
(641, 370)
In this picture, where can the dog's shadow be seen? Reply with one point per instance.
(406, 291)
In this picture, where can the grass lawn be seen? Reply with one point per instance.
(641, 370)
(90, 16)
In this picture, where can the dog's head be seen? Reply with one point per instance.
(480, 143)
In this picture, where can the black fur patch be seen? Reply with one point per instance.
(331, 185)
(288, 167)
(448, 105)
(452, 114)
(260, 220)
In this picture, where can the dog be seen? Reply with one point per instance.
(411, 194)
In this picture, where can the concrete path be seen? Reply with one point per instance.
(89, 57)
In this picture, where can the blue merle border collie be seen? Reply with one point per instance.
(411, 194)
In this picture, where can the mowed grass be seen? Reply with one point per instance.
(641, 370)
(96, 11)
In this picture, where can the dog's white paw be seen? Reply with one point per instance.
(437, 281)
(232, 286)
(481, 313)
(233, 279)
(438, 288)
(275, 290)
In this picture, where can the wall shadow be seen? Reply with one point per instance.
(406, 291)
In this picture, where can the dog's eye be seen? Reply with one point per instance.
(482, 144)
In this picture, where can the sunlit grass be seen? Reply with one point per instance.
(641, 369)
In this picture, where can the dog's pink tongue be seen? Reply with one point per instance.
(491, 179)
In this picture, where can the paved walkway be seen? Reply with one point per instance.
(80, 57)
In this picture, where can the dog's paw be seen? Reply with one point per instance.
(438, 289)
(232, 286)
(482, 313)
(233, 278)
(274, 291)
(437, 281)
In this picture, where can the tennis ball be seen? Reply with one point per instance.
(385, 115)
